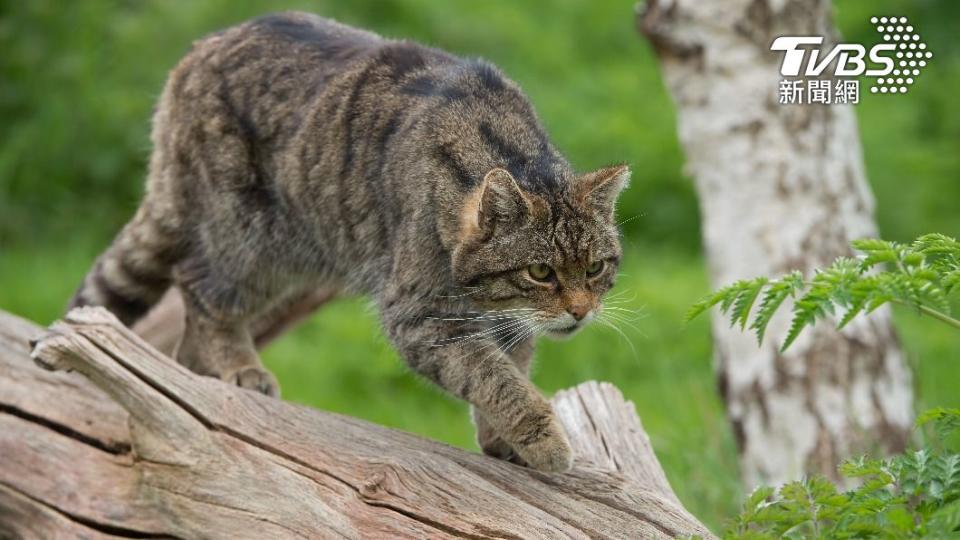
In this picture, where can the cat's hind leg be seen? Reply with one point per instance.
(219, 344)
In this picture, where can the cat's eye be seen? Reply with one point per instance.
(540, 272)
(595, 268)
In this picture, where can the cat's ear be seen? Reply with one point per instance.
(597, 191)
(499, 202)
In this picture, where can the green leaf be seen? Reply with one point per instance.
(705, 303)
(811, 306)
(732, 296)
(951, 283)
(946, 420)
(925, 273)
(861, 293)
(945, 521)
(776, 294)
(913, 259)
(869, 245)
(745, 300)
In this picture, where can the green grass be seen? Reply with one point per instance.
(339, 361)
(74, 136)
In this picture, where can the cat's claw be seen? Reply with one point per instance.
(256, 379)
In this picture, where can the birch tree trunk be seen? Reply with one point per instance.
(780, 188)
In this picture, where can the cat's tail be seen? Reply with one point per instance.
(135, 271)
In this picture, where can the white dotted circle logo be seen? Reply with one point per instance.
(911, 56)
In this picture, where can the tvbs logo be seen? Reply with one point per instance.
(892, 64)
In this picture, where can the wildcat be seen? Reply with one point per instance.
(292, 151)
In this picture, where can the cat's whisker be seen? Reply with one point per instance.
(611, 317)
(533, 329)
(457, 295)
(519, 337)
(620, 317)
(631, 218)
(469, 319)
(512, 323)
(631, 322)
(623, 304)
(621, 292)
(620, 296)
(486, 315)
(636, 314)
(623, 335)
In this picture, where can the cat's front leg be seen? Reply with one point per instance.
(488, 438)
(477, 371)
(519, 419)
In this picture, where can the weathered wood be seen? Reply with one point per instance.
(130, 444)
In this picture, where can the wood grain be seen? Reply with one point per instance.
(120, 441)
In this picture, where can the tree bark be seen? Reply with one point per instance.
(119, 441)
(780, 188)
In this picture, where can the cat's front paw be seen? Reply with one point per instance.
(255, 378)
(548, 451)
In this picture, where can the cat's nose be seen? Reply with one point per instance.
(579, 311)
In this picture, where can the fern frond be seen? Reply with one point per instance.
(946, 476)
(708, 302)
(838, 279)
(945, 521)
(915, 494)
(815, 304)
(876, 252)
(870, 245)
(736, 289)
(946, 420)
(776, 294)
(937, 244)
(745, 300)
(860, 295)
(924, 274)
(951, 283)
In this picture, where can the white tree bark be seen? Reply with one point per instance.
(780, 188)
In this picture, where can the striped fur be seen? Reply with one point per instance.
(292, 152)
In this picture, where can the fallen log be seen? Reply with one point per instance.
(119, 441)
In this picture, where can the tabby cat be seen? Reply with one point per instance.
(292, 152)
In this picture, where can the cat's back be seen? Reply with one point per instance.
(264, 72)
(294, 43)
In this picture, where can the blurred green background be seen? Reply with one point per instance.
(78, 81)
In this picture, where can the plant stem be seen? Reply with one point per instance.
(940, 316)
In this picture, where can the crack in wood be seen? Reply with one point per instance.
(189, 409)
(112, 530)
(117, 448)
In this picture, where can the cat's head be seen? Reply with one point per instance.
(545, 258)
